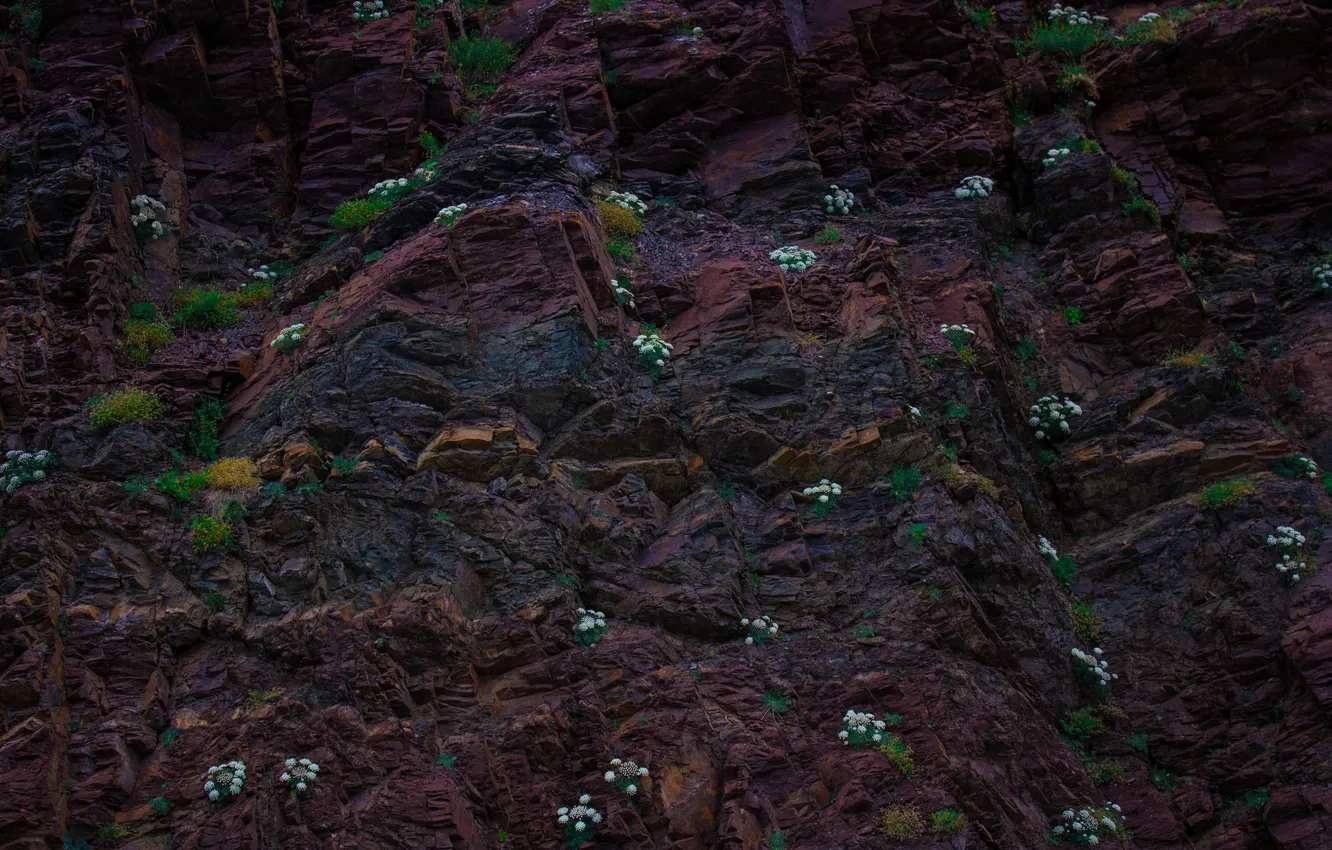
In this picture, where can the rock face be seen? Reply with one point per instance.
(466, 448)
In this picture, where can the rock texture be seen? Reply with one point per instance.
(405, 617)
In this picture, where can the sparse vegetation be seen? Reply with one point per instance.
(143, 338)
(776, 703)
(1085, 621)
(828, 236)
(1074, 316)
(480, 62)
(210, 534)
(903, 482)
(902, 822)
(130, 404)
(981, 18)
(204, 307)
(1187, 359)
(204, 427)
(949, 821)
(233, 474)
(1226, 494)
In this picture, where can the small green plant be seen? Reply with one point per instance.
(1294, 394)
(828, 236)
(1187, 359)
(956, 411)
(180, 485)
(25, 17)
(1138, 741)
(1144, 206)
(273, 490)
(130, 404)
(161, 806)
(777, 840)
(374, 255)
(1073, 316)
(233, 512)
(1226, 494)
(862, 631)
(1085, 621)
(776, 703)
(903, 482)
(431, 146)
(114, 831)
(1026, 349)
(621, 248)
(210, 533)
(902, 821)
(1082, 724)
(1257, 798)
(74, 843)
(949, 821)
(480, 62)
(344, 465)
(916, 533)
(1056, 38)
(168, 737)
(358, 213)
(204, 307)
(215, 602)
(1164, 780)
(605, 7)
(1183, 260)
(204, 428)
(259, 699)
(446, 761)
(144, 338)
(981, 18)
(899, 754)
(725, 488)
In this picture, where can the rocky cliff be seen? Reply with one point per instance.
(464, 447)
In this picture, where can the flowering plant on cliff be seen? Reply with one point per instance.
(578, 822)
(861, 730)
(1322, 275)
(1149, 18)
(261, 275)
(760, 629)
(1089, 824)
(225, 780)
(974, 186)
(652, 350)
(391, 190)
(365, 11)
(625, 774)
(1296, 467)
(1091, 670)
(449, 216)
(144, 218)
(1056, 156)
(793, 260)
(1069, 16)
(1049, 416)
(628, 201)
(299, 775)
(825, 495)
(959, 335)
(22, 468)
(839, 202)
(1293, 564)
(289, 339)
(624, 295)
(590, 628)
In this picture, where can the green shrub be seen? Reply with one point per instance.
(432, 147)
(143, 311)
(252, 295)
(1226, 494)
(776, 703)
(1164, 780)
(210, 534)
(1026, 349)
(899, 755)
(25, 17)
(1065, 569)
(130, 404)
(1055, 37)
(620, 248)
(981, 18)
(949, 821)
(828, 236)
(1085, 621)
(902, 821)
(1138, 741)
(480, 62)
(204, 307)
(144, 338)
(203, 439)
(903, 481)
(179, 485)
(1294, 394)
(1073, 316)
(358, 213)
(916, 533)
(1082, 724)
(1144, 206)
(161, 806)
(603, 7)
(215, 602)
(956, 410)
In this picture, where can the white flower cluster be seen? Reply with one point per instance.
(299, 775)
(1290, 544)
(425, 173)
(144, 219)
(1069, 16)
(1049, 416)
(578, 821)
(289, 338)
(1088, 824)
(974, 186)
(652, 350)
(625, 774)
(1305, 467)
(793, 260)
(1093, 669)
(860, 729)
(590, 628)
(369, 10)
(623, 295)
(261, 275)
(390, 188)
(760, 629)
(22, 468)
(449, 215)
(1056, 156)
(628, 201)
(1149, 18)
(825, 495)
(225, 780)
(839, 202)
(1322, 274)
(958, 335)
(1048, 551)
